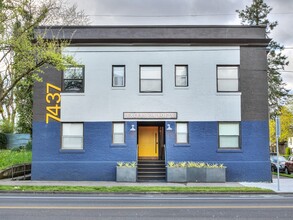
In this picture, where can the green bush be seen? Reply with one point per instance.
(288, 151)
(6, 126)
(3, 141)
(29, 146)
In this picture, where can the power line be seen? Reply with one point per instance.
(166, 16)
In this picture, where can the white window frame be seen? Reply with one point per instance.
(72, 136)
(118, 133)
(142, 79)
(221, 80)
(113, 76)
(177, 84)
(182, 133)
(223, 134)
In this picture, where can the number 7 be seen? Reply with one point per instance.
(49, 85)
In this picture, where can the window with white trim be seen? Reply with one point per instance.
(150, 79)
(227, 79)
(73, 79)
(181, 133)
(118, 76)
(181, 75)
(72, 136)
(118, 133)
(229, 135)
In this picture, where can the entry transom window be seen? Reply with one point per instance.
(181, 75)
(73, 79)
(118, 76)
(227, 78)
(118, 133)
(72, 136)
(150, 78)
(229, 135)
(181, 133)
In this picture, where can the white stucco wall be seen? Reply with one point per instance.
(198, 102)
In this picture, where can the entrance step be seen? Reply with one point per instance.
(151, 170)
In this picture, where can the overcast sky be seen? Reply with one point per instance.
(194, 12)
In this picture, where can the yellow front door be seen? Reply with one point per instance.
(148, 142)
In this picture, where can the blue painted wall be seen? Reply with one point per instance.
(250, 163)
(96, 162)
(98, 159)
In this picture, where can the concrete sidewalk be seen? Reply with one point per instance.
(286, 184)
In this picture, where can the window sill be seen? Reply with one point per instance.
(71, 151)
(119, 88)
(72, 94)
(228, 93)
(181, 87)
(118, 145)
(151, 94)
(182, 145)
(230, 150)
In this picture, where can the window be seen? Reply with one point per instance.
(118, 133)
(227, 78)
(229, 135)
(181, 133)
(181, 75)
(72, 136)
(73, 79)
(150, 78)
(118, 76)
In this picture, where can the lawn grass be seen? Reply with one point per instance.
(284, 175)
(134, 189)
(9, 158)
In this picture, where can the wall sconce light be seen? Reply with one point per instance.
(169, 127)
(132, 128)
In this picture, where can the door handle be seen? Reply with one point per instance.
(156, 143)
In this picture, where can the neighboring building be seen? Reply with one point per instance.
(173, 93)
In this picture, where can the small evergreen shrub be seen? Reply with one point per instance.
(3, 141)
(29, 146)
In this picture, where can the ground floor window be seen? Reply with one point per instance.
(118, 133)
(229, 135)
(72, 136)
(181, 133)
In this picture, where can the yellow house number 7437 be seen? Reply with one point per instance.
(53, 102)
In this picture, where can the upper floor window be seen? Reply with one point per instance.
(181, 133)
(72, 136)
(229, 135)
(118, 76)
(181, 75)
(150, 78)
(73, 79)
(118, 133)
(227, 78)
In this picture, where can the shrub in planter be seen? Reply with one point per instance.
(126, 171)
(196, 172)
(177, 172)
(216, 173)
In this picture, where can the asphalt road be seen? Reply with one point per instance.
(55, 206)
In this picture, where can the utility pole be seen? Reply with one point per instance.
(278, 133)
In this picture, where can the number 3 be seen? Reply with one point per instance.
(53, 96)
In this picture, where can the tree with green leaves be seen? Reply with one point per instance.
(286, 122)
(257, 14)
(23, 55)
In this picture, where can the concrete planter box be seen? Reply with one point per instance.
(196, 174)
(177, 174)
(215, 175)
(126, 174)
